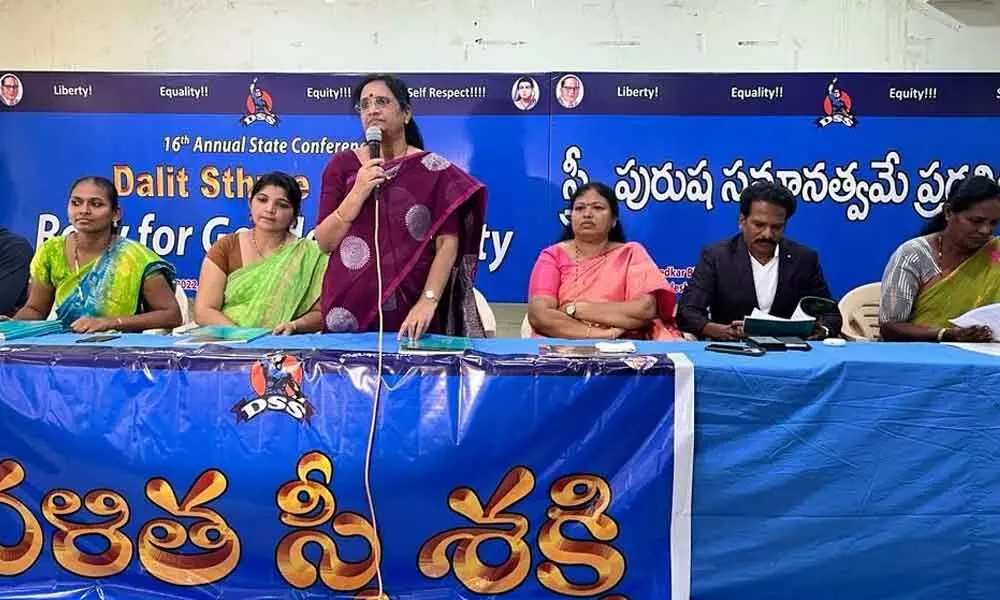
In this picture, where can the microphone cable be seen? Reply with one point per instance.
(376, 399)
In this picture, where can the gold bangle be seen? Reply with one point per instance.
(336, 213)
(295, 328)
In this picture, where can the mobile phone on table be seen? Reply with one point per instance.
(795, 343)
(766, 342)
(97, 339)
(740, 349)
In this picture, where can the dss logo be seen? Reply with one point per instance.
(276, 380)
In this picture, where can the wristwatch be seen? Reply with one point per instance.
(430, 295)
(571, 310)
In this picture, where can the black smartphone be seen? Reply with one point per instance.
(740, 349)
(795, 343)
(766, 342)
(96, 339)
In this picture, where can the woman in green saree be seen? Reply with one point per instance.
(265, 276)
(97, 280)
(951, 269)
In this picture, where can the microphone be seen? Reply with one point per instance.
(373, 137)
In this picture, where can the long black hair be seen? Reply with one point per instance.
(964, 195)
(285, 182)
(617, 232)
(401, 92)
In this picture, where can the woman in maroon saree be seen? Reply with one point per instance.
(430, 221)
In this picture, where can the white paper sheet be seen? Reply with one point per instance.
(991, 349)
(988, 315)
(798, 315)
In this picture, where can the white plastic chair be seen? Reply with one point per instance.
(526, 330)
(182, 301)
(185, 305)
(485, 313)
(859, 310)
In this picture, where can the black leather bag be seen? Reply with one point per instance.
(825, 311)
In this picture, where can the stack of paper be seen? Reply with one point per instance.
(988, 315)
(990, 349)
(435, 345)
(596, 349)
(221, 334)
(16, 330)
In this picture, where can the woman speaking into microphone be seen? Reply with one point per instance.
(429, 215)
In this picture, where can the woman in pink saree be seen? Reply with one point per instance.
(594, 284)
(430, 218)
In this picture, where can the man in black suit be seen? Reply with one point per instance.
(758, 268)
(15, 257)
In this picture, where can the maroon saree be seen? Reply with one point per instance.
(424, 196)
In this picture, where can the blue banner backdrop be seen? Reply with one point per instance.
(868, 155)
(150, 473)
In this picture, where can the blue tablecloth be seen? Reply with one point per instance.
(821, 356)
(867, 471)
(864, 471)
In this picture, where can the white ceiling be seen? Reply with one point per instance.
(972, 13)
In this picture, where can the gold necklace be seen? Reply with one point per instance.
(253, 240)
(940, 255)
(76, 250)
(579, 255)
